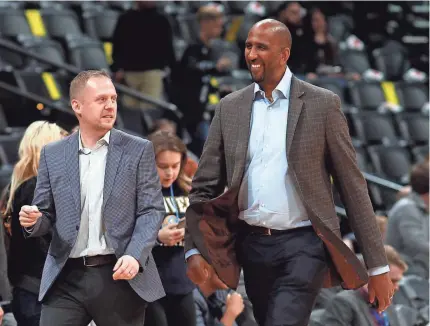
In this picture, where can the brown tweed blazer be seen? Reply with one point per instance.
(318, 146)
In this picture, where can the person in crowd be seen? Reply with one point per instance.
(98, 194)
(6, 315)
(406, 190)
(190, 166)
(197, 62)
(351, 308)
(140, 68)
(177, 307)
(321, 50)
(274, 145)
(408, 223)
(215, 307)
(27, 256)
(292, 15)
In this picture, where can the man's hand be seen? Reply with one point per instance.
(126, 268)
(29, 215)
(234, 307)
(381, 288)
(200, 272)
(170, 235)
(1, 314)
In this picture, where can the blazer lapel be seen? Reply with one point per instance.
(244, 103)
(71, 156)
(294, 110)
(112, 163)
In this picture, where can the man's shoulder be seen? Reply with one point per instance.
(58, 145)
(347, 297)
(402, 205)
(314, 90)
(239, 94)
(131, 140)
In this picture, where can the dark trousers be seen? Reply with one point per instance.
(26, 307)
(81, 294)
(283, 274)
(172, 310)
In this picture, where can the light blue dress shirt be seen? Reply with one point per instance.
(267, 196)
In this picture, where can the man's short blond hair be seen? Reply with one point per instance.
(394, 258)
(80, 81)
(209, 12)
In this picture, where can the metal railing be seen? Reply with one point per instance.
(75, 70)
(37, 98)
(382, 182)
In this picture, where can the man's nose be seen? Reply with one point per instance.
(252, 55)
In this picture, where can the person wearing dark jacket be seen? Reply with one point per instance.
(177, 307)
(199, 62)
(27, 255)
(142, 49)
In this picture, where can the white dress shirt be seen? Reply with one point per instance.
(92, 165)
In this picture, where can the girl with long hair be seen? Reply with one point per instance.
(27, 256)
(177, 307)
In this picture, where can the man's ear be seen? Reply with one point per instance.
(76, 106)
(285, 54)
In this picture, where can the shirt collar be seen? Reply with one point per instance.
(283, 86)
(104, 139)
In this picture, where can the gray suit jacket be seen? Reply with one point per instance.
(348, 308)
(132, 208)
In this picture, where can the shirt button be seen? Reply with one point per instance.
(264, 223)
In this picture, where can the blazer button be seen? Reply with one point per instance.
(77, 227)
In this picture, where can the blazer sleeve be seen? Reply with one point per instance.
(210, 178)
(149, 207)
(352, 187)
(43, 199)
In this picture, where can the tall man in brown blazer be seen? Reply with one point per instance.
(274, 145)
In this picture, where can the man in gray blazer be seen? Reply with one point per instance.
(99, 194)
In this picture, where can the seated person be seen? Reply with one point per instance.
(408, 223)
(321, 54)
(352, 308)
(215, 307)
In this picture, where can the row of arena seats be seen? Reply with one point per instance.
(355, 95)
(67, 29)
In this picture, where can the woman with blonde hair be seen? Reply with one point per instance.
(177, 307)
(27, 256)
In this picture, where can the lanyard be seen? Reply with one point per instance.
(172, 197)
(381, 319)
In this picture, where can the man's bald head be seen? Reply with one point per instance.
(277, 28)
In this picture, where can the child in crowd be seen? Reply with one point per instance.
(177, 307)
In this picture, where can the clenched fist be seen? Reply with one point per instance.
(29, 215)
